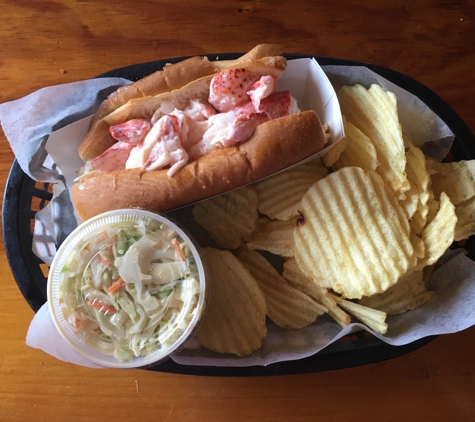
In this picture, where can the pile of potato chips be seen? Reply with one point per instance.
(354, 235)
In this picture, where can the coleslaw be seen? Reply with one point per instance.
(130, 288)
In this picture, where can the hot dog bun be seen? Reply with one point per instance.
(172, 77)
(274, 146)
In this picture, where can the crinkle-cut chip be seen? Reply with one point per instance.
(433, 207)
(456, 179)
(279, 196)
(287, 307)
(295, 277)
(415, 202)
(374, 112)
(235, 320)
(382, 189)
(352, 235)
(315, 276)
(440, 232)
(419, 219)
(411, 201)
(260, 224)
(465, 226)
(419, 248)
(374, 319)
(334, 152)
(229, 219)
(359, 151)
(275, 237)
(407, 294)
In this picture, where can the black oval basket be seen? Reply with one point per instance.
(23, 198)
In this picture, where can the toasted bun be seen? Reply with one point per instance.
(172, 77)
(274, 146)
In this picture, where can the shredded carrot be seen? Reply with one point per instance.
(176, 245)
(101, 306)
(104, 261)
(77, 323)
(115, 287)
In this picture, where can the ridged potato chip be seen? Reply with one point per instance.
(432, 205)
(415, 202)
(275, 237)
(359, 151)
(315, 277)
(440, 232)
(420, 249)
(374, 112)
(373, 318)
(295, 277)
(456, 179)
(408, 293)
(279, 195)
(334, 152)
(286, 307)
(235, 320)
(351, 234)
(371, 230)
(229, 219)
(383, 191)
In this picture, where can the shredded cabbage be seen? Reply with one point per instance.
(128, 291)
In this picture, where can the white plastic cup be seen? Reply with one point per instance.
(89, 343)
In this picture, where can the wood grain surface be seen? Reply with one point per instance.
(48, 42)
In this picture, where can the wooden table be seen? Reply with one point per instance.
(46, 43)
